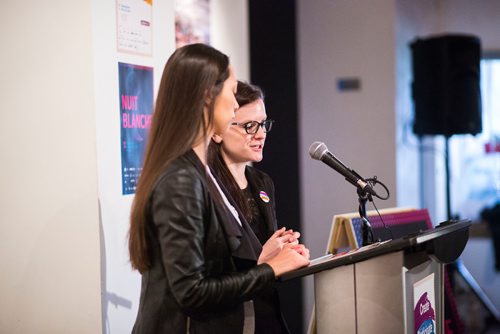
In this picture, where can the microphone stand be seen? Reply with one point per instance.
(366, 227)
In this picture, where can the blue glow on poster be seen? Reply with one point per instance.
(136, 108)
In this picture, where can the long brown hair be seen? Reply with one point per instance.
(246, 93)
(193, 75)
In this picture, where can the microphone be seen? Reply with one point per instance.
(319, 151)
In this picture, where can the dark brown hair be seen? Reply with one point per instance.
(246, 94)
(193, 75)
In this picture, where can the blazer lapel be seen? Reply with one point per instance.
(242, 241)
(263, 197)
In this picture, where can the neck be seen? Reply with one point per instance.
(237, 169)
(201, 150)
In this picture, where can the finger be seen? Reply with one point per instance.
(306, 253)
(297, 247)
(294, 237)
(286, 237)
(278, 233)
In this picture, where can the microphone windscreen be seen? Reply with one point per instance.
(317, 150)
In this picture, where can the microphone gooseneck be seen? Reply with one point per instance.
(319, 151)
(365, 191)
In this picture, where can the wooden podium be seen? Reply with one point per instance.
(394, 286)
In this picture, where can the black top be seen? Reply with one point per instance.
(261, 198)
(260, 194)
(194, 279)
(257, 223)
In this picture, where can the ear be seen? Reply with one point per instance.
(217, 138)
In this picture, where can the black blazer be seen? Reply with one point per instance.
(194, 280)
(262, 188)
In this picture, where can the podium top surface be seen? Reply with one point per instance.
(433, 241)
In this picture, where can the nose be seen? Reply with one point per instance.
(260, 132)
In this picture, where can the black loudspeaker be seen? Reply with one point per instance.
(446, 86)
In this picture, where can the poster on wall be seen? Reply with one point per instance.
(134, 31)
(192, 22)
(424, 306)
(136, 108)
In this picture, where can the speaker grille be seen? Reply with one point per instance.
(446, 85)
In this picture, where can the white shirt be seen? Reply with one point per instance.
(224, 198)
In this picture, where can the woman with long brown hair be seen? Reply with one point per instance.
(197, 258)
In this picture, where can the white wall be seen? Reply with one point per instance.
(229, 33)
(415, 19)
(59, 79)
(121, 286)
(423, 19)
(370, 130)
(63, 220)
(49, 226)
(479, 18)
(336, 40)
(344, 39)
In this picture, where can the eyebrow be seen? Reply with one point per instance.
(252, 120)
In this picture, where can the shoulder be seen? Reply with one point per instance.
(182, 174)
(257, 174)
(259, 180)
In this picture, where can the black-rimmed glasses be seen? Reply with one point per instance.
(253, 126)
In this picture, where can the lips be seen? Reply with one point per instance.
(257, 147)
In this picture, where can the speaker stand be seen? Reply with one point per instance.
(447, 176)
(457, 266)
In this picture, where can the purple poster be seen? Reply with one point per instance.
(136, 107)
(424, 307)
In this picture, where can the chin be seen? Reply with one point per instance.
(257, 159)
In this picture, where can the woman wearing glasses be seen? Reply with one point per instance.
(200, 263)
(252, 190)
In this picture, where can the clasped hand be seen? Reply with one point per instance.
(283, 252)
